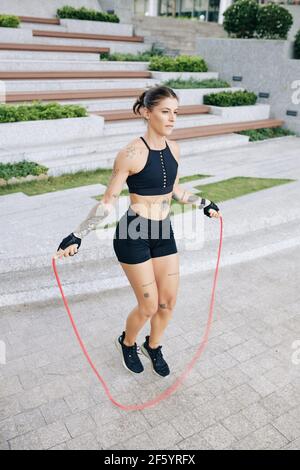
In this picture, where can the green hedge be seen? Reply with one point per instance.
(227, 98)
(194, 83)
(273, 22)
(182, 63)
(248, 19)
(9, 21)
(86, 14)
(297, 45)
(139, 57)
(240, 19)
(38, 111)
(266, 133)
(23, 168)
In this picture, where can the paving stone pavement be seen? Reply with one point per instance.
(243, 392)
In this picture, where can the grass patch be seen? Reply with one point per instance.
(59, 183)
(236, 187)
(194, 83)
(266, 133)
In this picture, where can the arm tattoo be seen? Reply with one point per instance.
(130, 151)
(95, 216)
(146, 294)
(191, 199)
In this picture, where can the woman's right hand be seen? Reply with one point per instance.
(70, 251)
(68, 247)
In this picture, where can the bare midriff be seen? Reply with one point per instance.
(151, 207)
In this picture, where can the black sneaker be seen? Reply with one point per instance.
(131, 360)
(159, 365)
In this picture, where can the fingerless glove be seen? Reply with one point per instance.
(68, 241)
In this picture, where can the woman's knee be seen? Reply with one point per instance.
(149, 309)
(167, 303)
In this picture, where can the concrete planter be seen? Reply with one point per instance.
(184, 75)
(242, 113)
(97, 27)
(34, 133)
(195, 95)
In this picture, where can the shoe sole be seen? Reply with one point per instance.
(119, 348)
(145, 352)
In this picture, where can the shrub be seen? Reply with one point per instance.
(140, 56)
(86, 14)
(9, 21)
(39, 111)
(297, 45)
(23, 168)
(228, 98)
(194, 83)
(266, 133)
(182, 63)
(240, 19)
(273, 22)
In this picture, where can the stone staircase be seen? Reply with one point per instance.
(66, 67)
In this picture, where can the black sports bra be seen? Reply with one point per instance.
(157, 176)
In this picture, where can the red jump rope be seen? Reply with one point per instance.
(171, 389)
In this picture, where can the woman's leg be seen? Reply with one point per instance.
(142, 279)
(166, 271)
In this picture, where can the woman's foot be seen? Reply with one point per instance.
(159, 365)
(131, 360)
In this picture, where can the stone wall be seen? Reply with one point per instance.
(264, 65)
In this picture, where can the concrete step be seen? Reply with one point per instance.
(44, 26)
(73, 95)
(112, 46)
(80, 154)
(17, 56)
(70, 64)
(39, 20)
(50, 75)
(120, 115)
(55, 85)
(73, 35)
(182, 122)
(105, 158)
(52, 47)
(90, 273)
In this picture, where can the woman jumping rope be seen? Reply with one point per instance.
(149, 166)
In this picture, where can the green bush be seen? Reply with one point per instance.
(23, 168)
(39, 111)
(86, 14)
(266, 133)
(194, 83)
(182, 63)
(228, 98)
(297, 45)
(240, 19)
(139, 57)
(9, 21)
(273, 22)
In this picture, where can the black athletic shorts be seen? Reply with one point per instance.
(137, 239)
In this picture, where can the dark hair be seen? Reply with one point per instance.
(152, 97)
